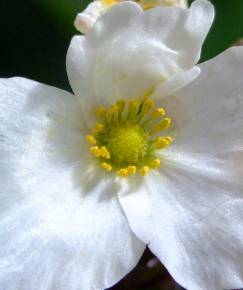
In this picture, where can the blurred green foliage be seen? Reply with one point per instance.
(35, 35)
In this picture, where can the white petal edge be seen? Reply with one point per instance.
(176, 82)
(199, 23)
(59, 208)
(207, 114)
(183, 229)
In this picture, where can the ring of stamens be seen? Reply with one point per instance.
(127, 136)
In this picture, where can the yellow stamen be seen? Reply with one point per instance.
(163, 142)
(131, 169)
(155, 164)
(101, 112)
(91, 139)
(147, 6)
(133, 105)
(163, 125)
(95, 150)
(126, 139)
(147, 105)
(114, 108)
(106, 166)
(98, 128)
(122, 172)
(159, 112)
(144, 170)
(121, 104)
(110, 3)
(169, 2)
(104, 152)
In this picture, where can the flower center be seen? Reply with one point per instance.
(128, 136)
(128, 144)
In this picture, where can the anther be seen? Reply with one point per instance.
(163, 142)
(169, 2)
(91, 139)
(144, 170)
(106, 166)
(121, 104)
(131, 169)
(95, 150)
(101, 112)
(104, 152)
(147, 105)
(163, 125)
(122, 172)
(133, 105)
(159, 112)
(155, 164)
(114, 108)
(125, 139)
(98, 128)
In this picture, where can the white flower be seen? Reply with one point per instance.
(87, 18)
(67, 218)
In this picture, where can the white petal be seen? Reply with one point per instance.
(30, 115)
(129, 51)
(87, 18)
(176, 82)
(201, 177)
(60, 219)
(180, 212)
(181, 30)
(80, 70)
(67, 242)
(207, 114)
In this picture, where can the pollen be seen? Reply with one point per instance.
(159, 112)
(106, 166)
(121, 104)
(133, 105)
(163, 142)
(95, 150)
(147, 105)
(91, 139)
(110, 3)
(126, 143)
(104, 153)
(131, 170)
(101, 112)
(144, 170)
(98, 128)
(154, 164)
(163, 125)
(122, 172)
(114, 108)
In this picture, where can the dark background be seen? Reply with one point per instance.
(34, 37)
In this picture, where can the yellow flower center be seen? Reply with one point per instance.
(128, 135)
(127, 144)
